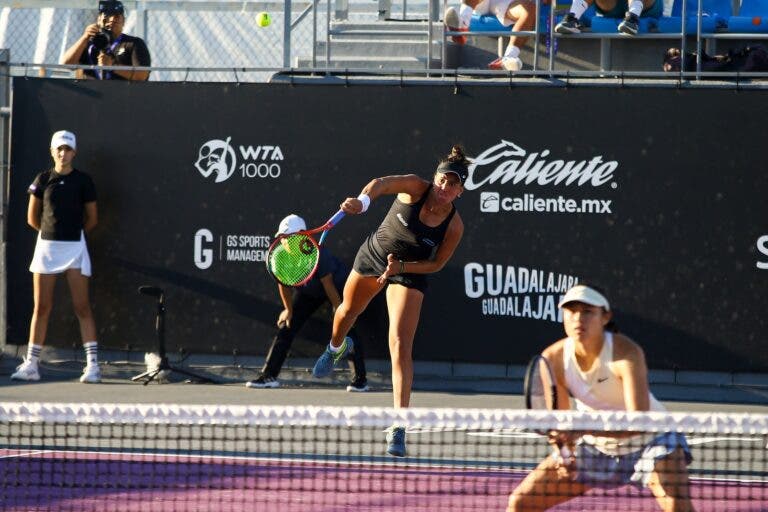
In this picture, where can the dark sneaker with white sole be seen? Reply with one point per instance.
(264, 381)
(358, 386)
(569, 25)
(630, 25)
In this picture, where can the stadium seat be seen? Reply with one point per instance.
(715, 16)
(752, 18)
(489, 22)
(597, 23)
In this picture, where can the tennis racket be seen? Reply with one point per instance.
(292, 259)
(539, 385)
(541, 394)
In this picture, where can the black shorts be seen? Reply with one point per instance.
(370, 262)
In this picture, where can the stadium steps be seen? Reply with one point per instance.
(379, 45)
(373, 63)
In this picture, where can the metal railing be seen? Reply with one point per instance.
(220, 41)
(5, 143)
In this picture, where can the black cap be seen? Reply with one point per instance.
(457, 168)
(111, 7)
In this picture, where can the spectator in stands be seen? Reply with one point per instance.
(603, 370)
(520, 14)
(299, 304)
(416, 238)
(630, 10)
(104, 44)
(62, 209)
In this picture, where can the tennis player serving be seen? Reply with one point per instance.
(603, 370)
(417, 237)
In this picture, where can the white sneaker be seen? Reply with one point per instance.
(26, 371)
(512, 63)
(91, 374)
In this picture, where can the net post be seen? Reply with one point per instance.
(5, 121)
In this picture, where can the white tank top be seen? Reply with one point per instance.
(597, 388)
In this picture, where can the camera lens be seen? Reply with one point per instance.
(102, 40)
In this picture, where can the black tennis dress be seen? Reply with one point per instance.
(402, 234)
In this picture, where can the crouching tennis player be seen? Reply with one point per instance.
(604, 370)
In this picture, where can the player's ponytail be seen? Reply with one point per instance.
(457, 155)
(455, 162)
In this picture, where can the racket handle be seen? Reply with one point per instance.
(336, 218)
(331, 222)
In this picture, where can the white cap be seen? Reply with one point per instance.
(291, 224)
(63, 138)
(587, 295)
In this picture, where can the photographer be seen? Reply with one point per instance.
(104, 44)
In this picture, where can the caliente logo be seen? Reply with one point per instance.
(506, 162)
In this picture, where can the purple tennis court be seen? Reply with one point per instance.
(91, 481)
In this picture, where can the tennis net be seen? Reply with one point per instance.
(85, 457)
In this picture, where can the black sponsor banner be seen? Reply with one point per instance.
(641, 191)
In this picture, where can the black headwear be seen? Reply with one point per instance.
(457, 168)
(111, 7)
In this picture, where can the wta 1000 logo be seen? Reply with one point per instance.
(219, 159)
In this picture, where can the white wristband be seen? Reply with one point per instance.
(363, 198)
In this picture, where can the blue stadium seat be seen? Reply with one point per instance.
(489, 22)
(600, 24)
(715, 16)
(752, 18)
(597, 23)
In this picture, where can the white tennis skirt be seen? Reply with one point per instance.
(56, 256)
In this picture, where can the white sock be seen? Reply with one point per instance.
(512, 51)
(636, 7)
(579, 7)
(335, 350)
(91, 353)
(33, 353)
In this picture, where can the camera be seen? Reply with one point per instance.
(102, 40)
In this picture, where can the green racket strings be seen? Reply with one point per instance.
(293, 259)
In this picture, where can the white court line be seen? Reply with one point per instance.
(292, 458)
(25, 454)
(705, 440)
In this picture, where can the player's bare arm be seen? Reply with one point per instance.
(629, 365)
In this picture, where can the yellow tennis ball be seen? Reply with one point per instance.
(263, 19)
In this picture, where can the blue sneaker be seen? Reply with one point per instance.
(396, 441)
(326, 362)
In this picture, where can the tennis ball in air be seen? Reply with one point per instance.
(263, 19)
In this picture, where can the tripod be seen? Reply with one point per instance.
(164, 365)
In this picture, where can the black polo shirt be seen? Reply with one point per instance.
(64, 197)
(128, 51)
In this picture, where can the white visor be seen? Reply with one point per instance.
(587, 295)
